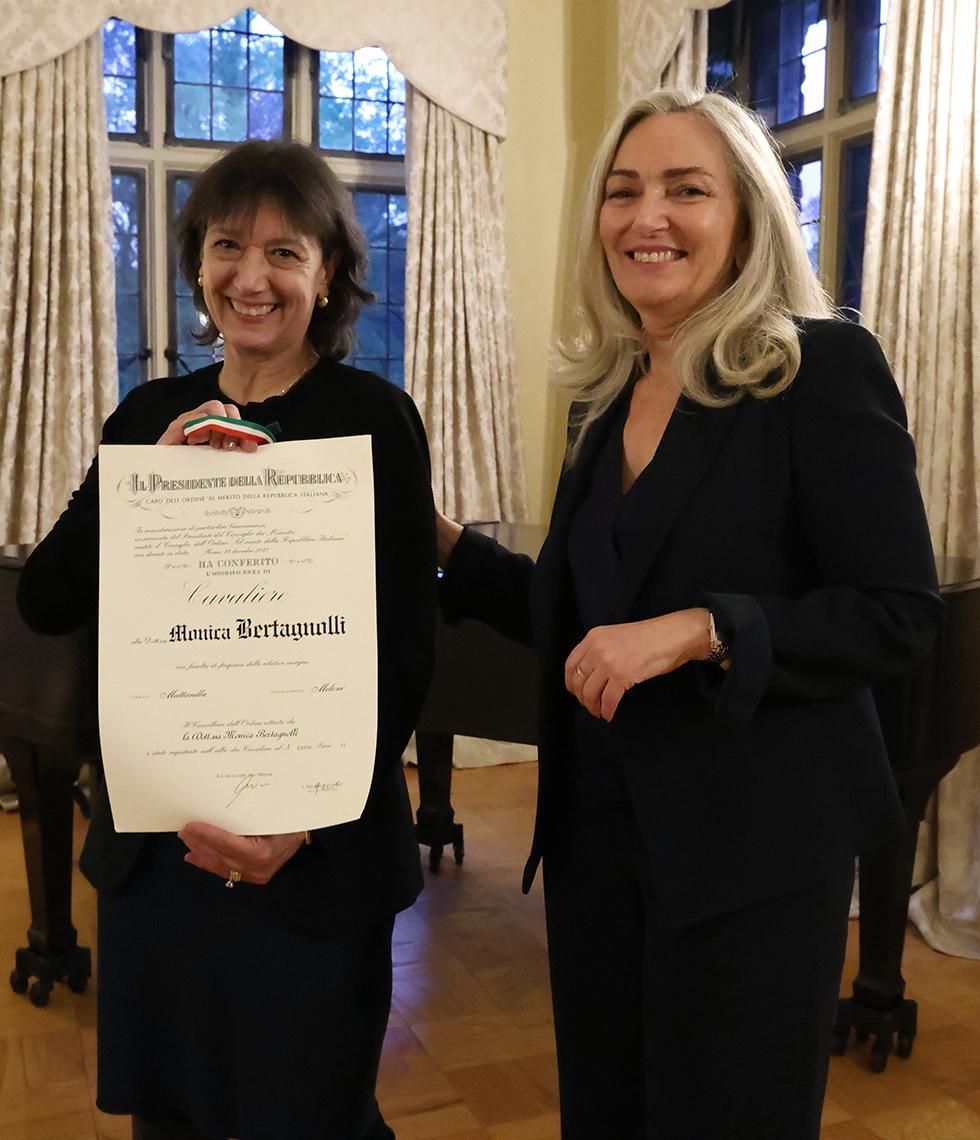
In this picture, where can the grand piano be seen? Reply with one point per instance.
(48, 729)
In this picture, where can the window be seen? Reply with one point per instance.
(381, 330)
(789, 60)
(227, 84)
(360, 102)
(128, 248)
(183, 351)
(868, 19)
(857, 172)
(174, 102)
(810, 69)
(122, 79)
(805, 177)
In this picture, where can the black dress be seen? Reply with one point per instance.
(259, 1012)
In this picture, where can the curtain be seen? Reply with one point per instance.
(57, 352)
(921, 294)
(662, 43)
(456, 53)
(459, 360)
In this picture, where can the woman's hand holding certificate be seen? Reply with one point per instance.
(221, 441)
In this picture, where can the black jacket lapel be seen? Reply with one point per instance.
(693, 438)
(547, 584)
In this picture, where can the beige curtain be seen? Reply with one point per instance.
(662, 43)
(688, 65)
(454, 52)
(57, 346)
(459, 361)
(921, 293)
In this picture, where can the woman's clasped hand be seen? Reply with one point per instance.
(256, 857)
(611, 659)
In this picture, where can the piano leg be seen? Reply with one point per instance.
(435, 824)
(878, 1007)
(45, 787)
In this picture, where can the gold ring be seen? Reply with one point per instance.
(233, 878)
(580, 671)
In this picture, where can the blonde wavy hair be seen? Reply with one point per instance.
(743, 342)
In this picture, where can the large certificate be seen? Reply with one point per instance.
(237, 635)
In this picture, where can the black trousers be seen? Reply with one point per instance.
(719, 1030)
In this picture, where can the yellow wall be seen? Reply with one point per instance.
(559, 96)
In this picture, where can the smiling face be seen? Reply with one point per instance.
(261, 281)
(670, 218)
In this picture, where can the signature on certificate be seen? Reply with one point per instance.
(317, 787)
(253, 782)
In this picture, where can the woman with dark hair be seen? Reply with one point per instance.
(259, 1013)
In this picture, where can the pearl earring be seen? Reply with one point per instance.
(200, 280)
(322, 302)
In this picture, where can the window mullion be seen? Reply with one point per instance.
(837, 60)
(302, 94)
(830, 214)
(158, 203)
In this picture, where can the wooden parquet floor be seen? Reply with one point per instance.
(469, 1053)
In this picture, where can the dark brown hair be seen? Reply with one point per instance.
(297, 181)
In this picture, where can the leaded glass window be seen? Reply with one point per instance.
(857, 173)
(381, 328)
(721, 50)
(185, 353)
(121, 79)
(789, 59)
(360, 103)
(128, 248)
(228, 83)
(805, 177)
(867, 45)
(207, 90)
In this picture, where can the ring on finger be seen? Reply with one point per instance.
(580, 672)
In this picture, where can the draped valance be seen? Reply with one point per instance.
(454, 53)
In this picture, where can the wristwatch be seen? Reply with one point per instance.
(718, 649)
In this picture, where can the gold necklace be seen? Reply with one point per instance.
(309, 362)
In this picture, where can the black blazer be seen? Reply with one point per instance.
(798, 521)
(369, 867)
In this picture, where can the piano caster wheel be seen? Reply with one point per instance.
(879, 1054)
(18, 981)
(458, 853)
(904, 1046)
(39, 993)
(80, 796)
(77, 983)
(435, 857)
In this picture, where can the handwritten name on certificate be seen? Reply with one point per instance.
(237, 635)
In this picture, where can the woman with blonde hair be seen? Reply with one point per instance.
(737, 552)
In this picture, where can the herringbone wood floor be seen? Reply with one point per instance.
(469, 1052)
